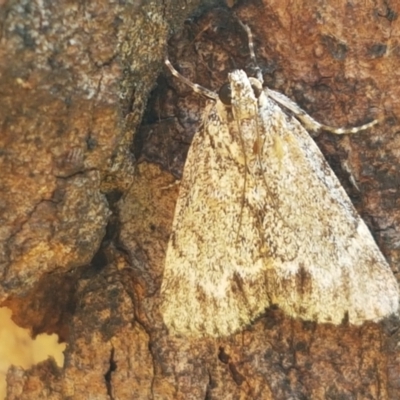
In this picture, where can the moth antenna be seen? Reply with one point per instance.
(251, 49)
(195, 87)
(309, 122)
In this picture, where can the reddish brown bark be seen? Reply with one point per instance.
(84, 234)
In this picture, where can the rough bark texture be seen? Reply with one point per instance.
(84, 233)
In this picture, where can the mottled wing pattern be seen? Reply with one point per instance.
(327, 266)
(261, 219)
(205, 287)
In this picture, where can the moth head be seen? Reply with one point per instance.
(225, 92)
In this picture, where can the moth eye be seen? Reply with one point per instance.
(225, 94)
(256, 86)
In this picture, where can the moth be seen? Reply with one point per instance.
(261, 219)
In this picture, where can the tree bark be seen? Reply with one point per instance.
(85, 224)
